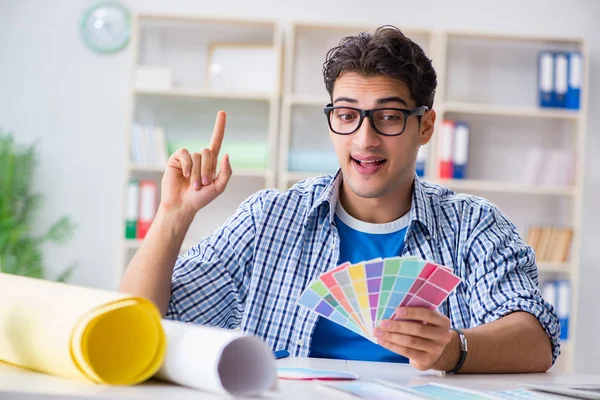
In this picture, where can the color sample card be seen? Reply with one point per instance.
(439, 391)
(366, 390)
(520, 394)
(359, 296)
(310, 374)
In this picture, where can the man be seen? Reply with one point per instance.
(252, 270)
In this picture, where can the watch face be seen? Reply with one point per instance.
(106, 27)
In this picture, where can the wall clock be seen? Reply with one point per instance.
(105, 27)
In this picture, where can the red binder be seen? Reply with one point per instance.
(148, 206)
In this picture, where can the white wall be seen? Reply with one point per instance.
(74, 102)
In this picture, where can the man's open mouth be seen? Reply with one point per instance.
(369, 163)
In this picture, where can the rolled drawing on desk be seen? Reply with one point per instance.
(217, 360)
(79, 333)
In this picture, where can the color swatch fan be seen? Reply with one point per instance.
(359, 296)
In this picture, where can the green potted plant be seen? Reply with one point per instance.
(20, 250)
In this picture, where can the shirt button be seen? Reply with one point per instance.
(428, 237)
(300, 342)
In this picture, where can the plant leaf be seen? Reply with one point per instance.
(61, 231)
(67, 273)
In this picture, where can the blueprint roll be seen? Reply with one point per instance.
(217, 360)
(79, 333)
(317, 161)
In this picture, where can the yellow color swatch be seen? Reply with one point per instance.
(357, 271)
(79, 333)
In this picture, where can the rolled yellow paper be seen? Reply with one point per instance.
(79, 333)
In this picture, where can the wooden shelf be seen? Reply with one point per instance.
(511, 111)
(554, 267)
(293, 176)
(308, 100)
(133, 167)
(208, 94)
(506, 187)
(243, 172)
(134, 244)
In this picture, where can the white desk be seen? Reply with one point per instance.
(14, 379)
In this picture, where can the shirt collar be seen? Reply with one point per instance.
(329, 195)
(420, 208)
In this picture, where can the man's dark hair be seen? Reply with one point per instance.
(386, 52)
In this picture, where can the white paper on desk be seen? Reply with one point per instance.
(217, 360)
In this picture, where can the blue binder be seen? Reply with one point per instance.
(421, 161)
(563, 294)
(561, 79)
(546, 78)
(460, 158)
(575, 73)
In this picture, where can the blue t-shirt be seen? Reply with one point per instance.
(331, 340)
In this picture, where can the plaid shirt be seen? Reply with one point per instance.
(250, 272)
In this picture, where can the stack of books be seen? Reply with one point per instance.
(550, 243)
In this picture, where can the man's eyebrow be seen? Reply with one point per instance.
(348, 99)
(384, 100)
(391, 99)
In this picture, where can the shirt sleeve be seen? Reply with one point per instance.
(504, 276)
(210, 282)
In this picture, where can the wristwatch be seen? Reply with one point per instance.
(463, 352)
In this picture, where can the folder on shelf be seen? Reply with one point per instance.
(558, 293)
(446, 150)
(148, 207)
(79, 333)
(460, 150)
(422, 156)
(575, 71)
(546, 79)
(131, 216)
(563, 301)
(317, 161)
(560, 79)
(242, 154)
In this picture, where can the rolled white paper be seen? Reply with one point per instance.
(217, 360)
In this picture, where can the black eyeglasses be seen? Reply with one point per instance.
(385, 121)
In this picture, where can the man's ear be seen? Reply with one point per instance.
(427, 126)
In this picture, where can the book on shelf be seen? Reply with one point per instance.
(545, 166)
(550, 243)
(149, 145)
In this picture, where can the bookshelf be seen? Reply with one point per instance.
(183, 70)
(488, 81)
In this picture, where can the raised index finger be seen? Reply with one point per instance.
(217, 137)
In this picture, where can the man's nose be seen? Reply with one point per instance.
(366, 137)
